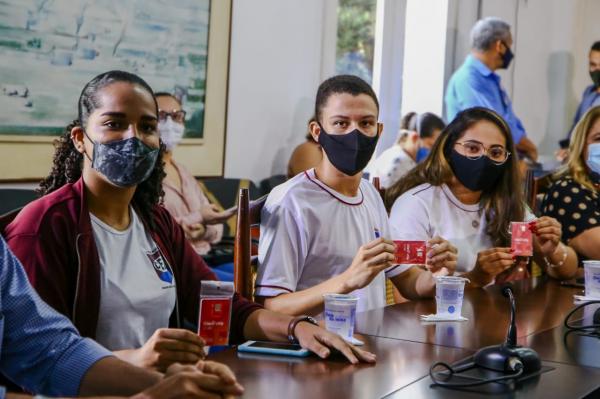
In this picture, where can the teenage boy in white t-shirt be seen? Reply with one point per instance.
(326, 230)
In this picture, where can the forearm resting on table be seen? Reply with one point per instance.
(265, 325)
(415, 283)
(112, 376)
(308, 301)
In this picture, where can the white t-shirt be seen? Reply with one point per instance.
(310, 233)
(137, 287)
(427, 211)
(391, 165)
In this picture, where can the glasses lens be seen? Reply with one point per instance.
(179, 116)
(162, 115)
(473, 149)
(498, 154)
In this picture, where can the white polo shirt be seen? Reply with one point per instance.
(391, 165)
(310, 233)
(427, 211)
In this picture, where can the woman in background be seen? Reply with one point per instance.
(201, 221)
(573, 198)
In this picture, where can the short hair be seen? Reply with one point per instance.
(407, 120)
(167, 94)
(342, 84)
(424, 124)
(488, 31)
(595, 46)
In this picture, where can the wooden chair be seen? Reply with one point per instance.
(248, 223)
(535, 187)
(381, 190)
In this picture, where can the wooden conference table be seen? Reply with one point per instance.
(406, 347)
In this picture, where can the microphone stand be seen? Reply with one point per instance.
(508, 357)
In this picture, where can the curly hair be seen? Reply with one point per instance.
(67, 164)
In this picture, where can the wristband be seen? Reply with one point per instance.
(294, 322)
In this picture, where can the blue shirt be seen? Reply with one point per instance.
(40, 349)
(476, 85)
(590, 98)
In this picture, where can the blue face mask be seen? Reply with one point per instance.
(422, 153)
(507, 56)
(593, 158)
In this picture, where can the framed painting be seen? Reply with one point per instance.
(49, 49)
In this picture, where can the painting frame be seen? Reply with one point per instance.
(25, 158)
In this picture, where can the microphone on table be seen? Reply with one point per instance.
(508, 357)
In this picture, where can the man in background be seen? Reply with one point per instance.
(475, 83)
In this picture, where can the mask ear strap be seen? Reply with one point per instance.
(93, 143)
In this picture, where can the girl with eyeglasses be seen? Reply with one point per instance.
(468, 191)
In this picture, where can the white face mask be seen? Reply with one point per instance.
(171, 132)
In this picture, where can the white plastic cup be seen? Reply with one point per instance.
(449, 293)
(340, 314)
(592, 278)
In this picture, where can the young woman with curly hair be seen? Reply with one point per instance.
(99, 248)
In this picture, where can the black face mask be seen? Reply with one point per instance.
(349, 152)
(475, 174)
(595, 75)
(507, 57)
(125, 163)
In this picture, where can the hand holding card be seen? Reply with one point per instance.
(522, 239)
(410, 252)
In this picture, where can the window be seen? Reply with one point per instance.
(356, 38)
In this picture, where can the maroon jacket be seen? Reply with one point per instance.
(53, 238)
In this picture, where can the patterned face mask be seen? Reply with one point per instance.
(125, 163)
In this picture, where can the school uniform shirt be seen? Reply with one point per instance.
(137, 287)
(391, 165)
(310, 233)
(426, 211)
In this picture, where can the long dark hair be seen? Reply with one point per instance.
(502, 203)
(67, 164)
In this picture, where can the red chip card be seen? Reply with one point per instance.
(522, 239)
(410, 252)
(214, 320)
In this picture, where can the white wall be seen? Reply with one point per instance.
(424, 56)
(275, 69)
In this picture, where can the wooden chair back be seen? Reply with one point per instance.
(248, 219)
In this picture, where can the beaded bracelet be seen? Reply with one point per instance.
(562, 261)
